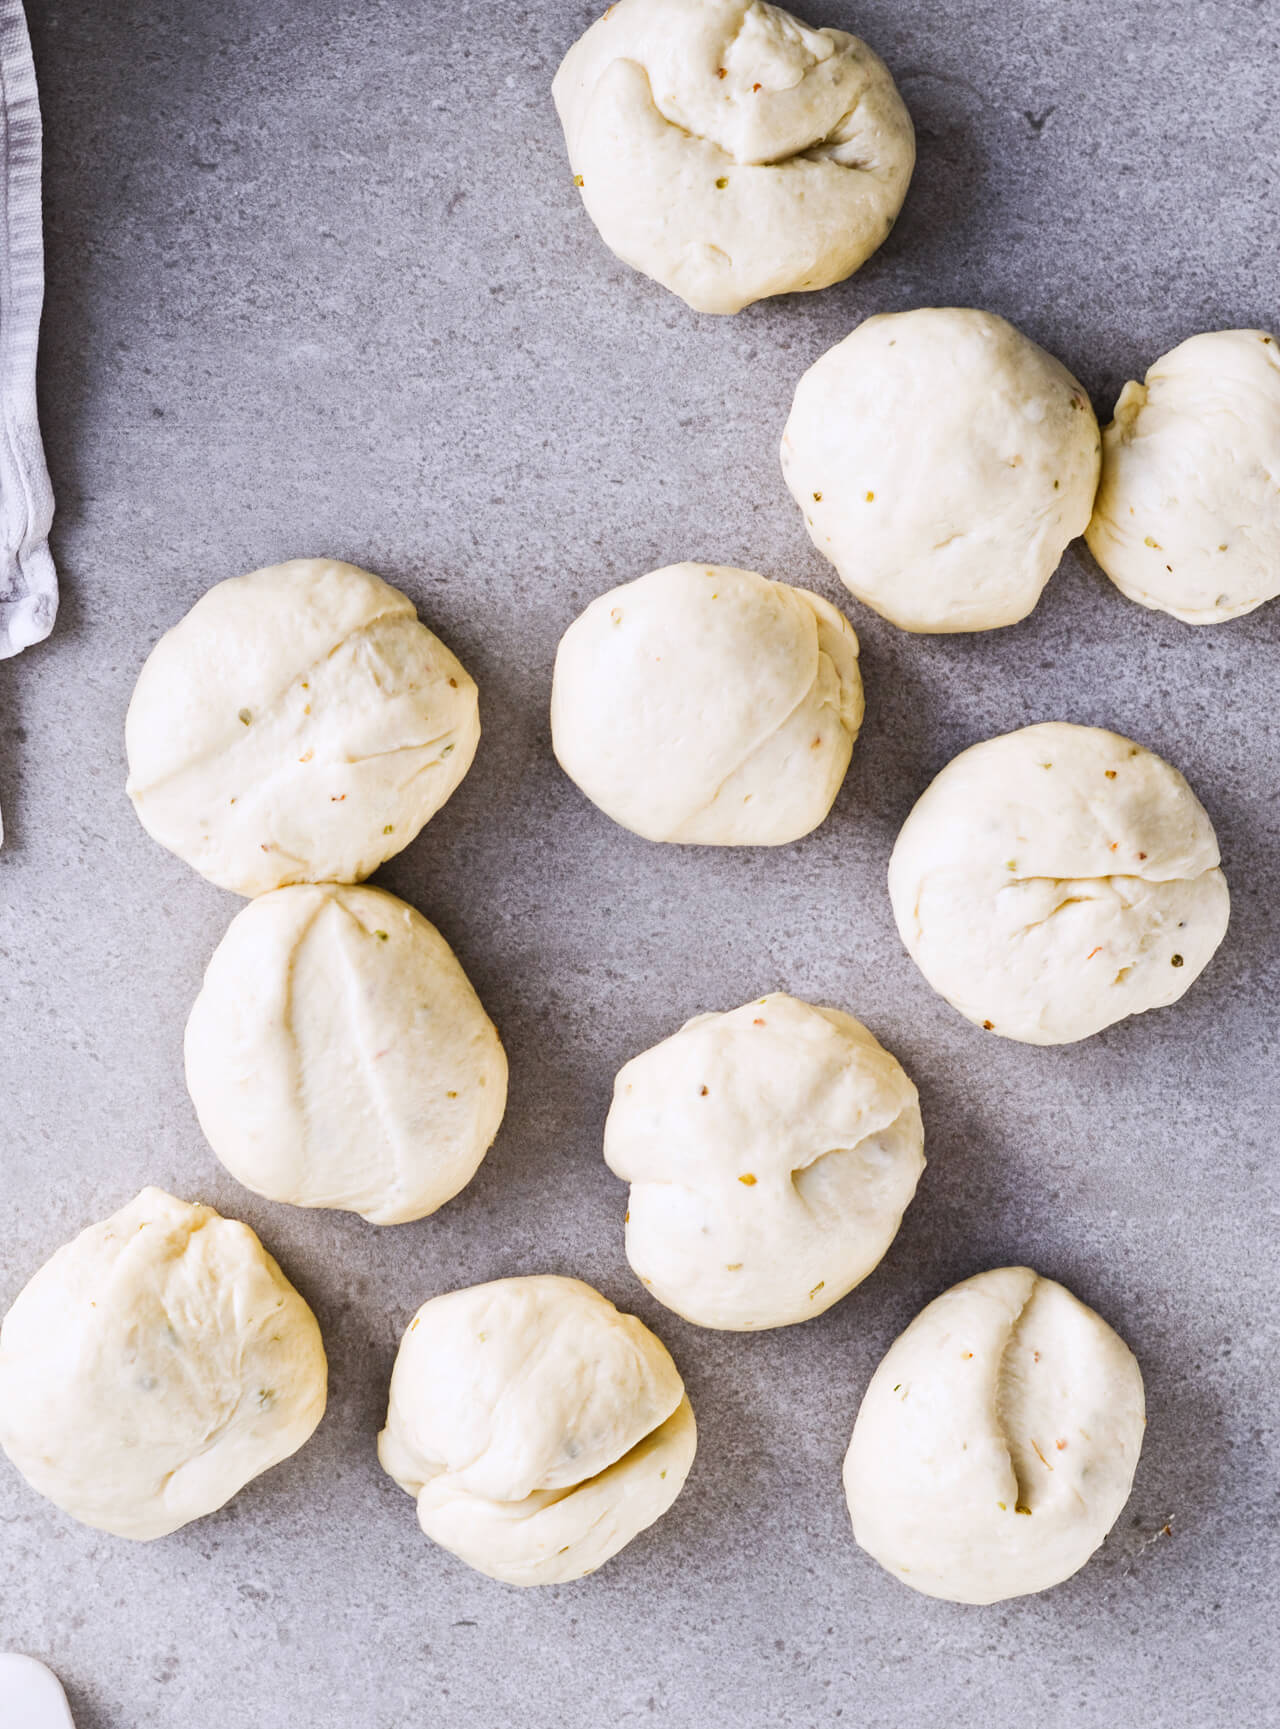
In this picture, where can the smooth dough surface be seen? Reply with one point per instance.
(1187, 518)
(729, 151)
(1056, 879)
(943, 462)
(771, 1152)
(538, 1429)
(298, 725)
(155, 1365)
(997, 1441)
(708, 705)
(337, 1055)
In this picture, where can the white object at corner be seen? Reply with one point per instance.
(31, 1696)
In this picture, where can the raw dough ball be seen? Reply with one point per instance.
(538, 1429)
(1187, 518)
(771, 1153)
(337, 1055)
(298, 725)
(705, 704)
(997, 1442)
(731, 152)
(943, 462)
(155, 1366)
(1054, 880)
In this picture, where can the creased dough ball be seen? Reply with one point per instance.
(538, 1429)
(708, 705)
(154, 1366)
(1054, 880)
(731, 152)
(1187, 518)
(298, 725)
(337, 1055)
(771, 1153)
(997, 1442)
(943, 462)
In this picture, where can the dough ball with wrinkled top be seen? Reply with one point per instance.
(771, 1152)
(298, 725)
(154, 1366)
(1054, 880)
(943, 462)
(537, 1428)
(708, 705)
(730, 151)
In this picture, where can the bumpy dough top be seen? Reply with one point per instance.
(706, 704)
(729, 151)
(298, 725)
(337, 1055)
(1056, 879)
(538, 1428)
(771, 1152)
(997, 1442)
(943, 462)
(1187, 518)
(154, 1366)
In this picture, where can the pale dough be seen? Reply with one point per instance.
(154, 1366)
(337, 1055)
(997, 1441)
(298, 725)
(538, 1429)
(1187, 518)
(771, 1152)
(1056, 879)
(729, 151)
(708, 705)
(943, 462)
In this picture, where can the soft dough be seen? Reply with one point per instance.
(731, 152)
(154, 1366)
(1187, 518)
(538, 1429)
(298, 725)
(997, 1442)
(706, 704)
(1054, 880)
(337, 1055)
(943, 462)
(771, 1152)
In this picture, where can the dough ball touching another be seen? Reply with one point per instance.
(1056, 879)
(154, 1366)
(538, 1429)
(1187, 518)
(298, 725)
(943, 463)
(731, 152)
(771, 1152)
(708, 705)
(997, 1441)
(337, 1055)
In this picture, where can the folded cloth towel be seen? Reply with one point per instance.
(28, 581)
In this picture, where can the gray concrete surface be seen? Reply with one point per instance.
(318, 282)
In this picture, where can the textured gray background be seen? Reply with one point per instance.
(318, 283)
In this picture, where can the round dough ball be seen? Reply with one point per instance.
(771, 1153)
(1187, 518)
(154, 1366)
(337, 1055)
(298, 725)
(1054, 880)
(997, 1442)
(943, 462)
(707, 705)
(537, 1428)
(730, 152)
